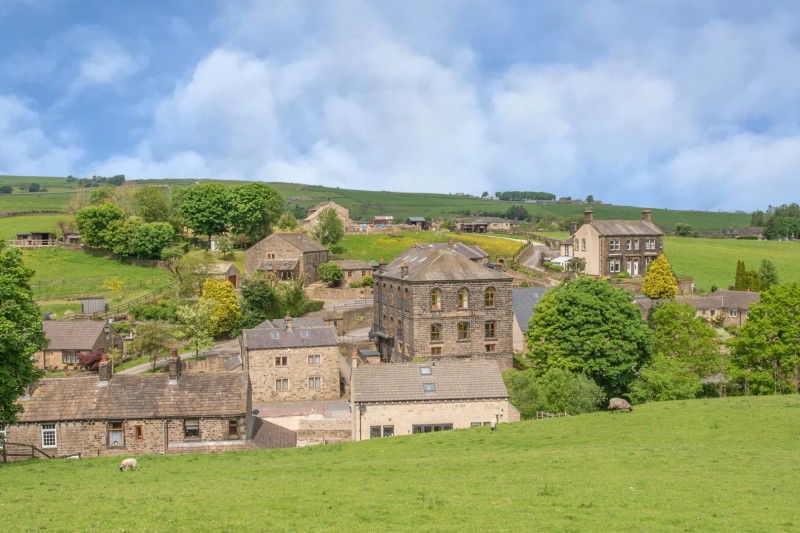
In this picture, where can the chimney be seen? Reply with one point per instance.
(354, 361)
(288, 320)
(646, 214)
(104, 370)
(573, 227)
(381, 266)
(404, 270)
(588, 216)
(174, 366)
(451, 244)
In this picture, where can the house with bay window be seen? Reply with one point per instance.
(610, 247)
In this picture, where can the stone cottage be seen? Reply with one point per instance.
(69, 339)
(311, 221)
(287, 255)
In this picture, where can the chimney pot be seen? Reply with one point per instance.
(646, 215)
(288, 320)
(354, 359)
(588, 216)
(404, 270)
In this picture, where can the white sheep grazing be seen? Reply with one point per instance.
(128, 464)
(619, 404)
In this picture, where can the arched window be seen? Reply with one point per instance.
(391, 326)
(488, 297)
(436, 300)
(391, 296)
(463, 298)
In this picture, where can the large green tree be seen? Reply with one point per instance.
(767, 274)
(331, 273)
(197, 323)
(330, 228)
(659, 281)
(100, 225)
(588, 326)
(768, 347)
(227, 313)
(154, 339)
(260, 301)
(206, 208)
(557, 391)
(21, 333)
(152, 203)
(255, 208)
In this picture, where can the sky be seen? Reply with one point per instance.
(667, 103)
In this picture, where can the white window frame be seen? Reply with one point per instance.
(49, 430)
(315, 382)
(733, 313)
(314, 359)
(629, 245)
(613, 245)
(119, 432)
(583, 245)
(649, 244)
(636, 244)
(614, 265)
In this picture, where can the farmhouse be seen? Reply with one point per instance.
(482, 225)
(288, 363)
(383, 220)
(726, 308)
(135, 414)
(407, 398)
(287, 255)
(354, 270)
(312, 219)
(434, 303)
(69, 339)
(612, 246)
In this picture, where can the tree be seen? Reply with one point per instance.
(767, 274)
(757, 219)
(485, 194)
(5, 189)
(255, 207)
(188, 271)
(91, 361)
(148, 239)
(34, 187)
(331, 273)
(227, 313)
(557, 391)
(769, 342)
(746, 280)
(680, 336)
(206, 208)
(114, 285)
(287, 221)
(588, 326)
(152, 204)
(659, 281)
(683, 229)
(292, 297)
(260, 301)
(225, 247)
(154, 339)
(21, 333)
(590, 199)
(664, 379)
(196, 324)
(99, 225)
(330, 228)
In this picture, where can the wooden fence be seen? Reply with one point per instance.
(13, 450)
(544, 414)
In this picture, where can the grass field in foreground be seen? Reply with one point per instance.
(704, 465)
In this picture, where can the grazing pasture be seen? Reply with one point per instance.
(725, 464)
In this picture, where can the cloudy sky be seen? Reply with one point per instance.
(667, 103)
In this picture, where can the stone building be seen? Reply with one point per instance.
(726, 308)
(612, 246)
(311, 221)
(289, 363)
(354, 270)
(287, 255)
(135, 414)
(436, 304)
(225, 272)
(473, 252)
(69, 339)
(408, 398)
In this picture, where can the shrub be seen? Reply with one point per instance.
(123, 328)
(163, 309)
(557, 391)
(90, 361)
(550, 266)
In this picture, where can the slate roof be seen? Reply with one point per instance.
(303, 322)
(278, 264)
(716, 300)
(72, 334)
(137, 396)
(469, 251)
(524, 300)
(302, 242)
(626, 227)
(468, 380)
(297, 337)
(434, 264)
(222, 268)
(417, 219)
(352, 264)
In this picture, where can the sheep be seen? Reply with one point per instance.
(619, 404)
(128, 464)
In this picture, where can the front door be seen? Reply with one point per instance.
(635, 268)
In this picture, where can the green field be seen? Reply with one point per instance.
(713, 261)
(382, 246)
(10, 226)
(703, 465)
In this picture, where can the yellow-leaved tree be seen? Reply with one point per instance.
(227, 312)
(659, 281)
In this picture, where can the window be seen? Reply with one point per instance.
(349, 273)
(583, 245)
(733, 313)
(490, 329)
(315, 382)
(713, 312)
(463, 298)
(425, 371)
(282, 384)
(429, 428)
(636, 244)
(391, 296)
(436, 300)
(281, 361)
(116, 434)
(49, 436)
(436, 332)
(376, 432)
(2, 436)
(313, 359)
(488, 297)
(191, 428)
(70, 357)
(436, 350)
(614, 265)
(613, 245)
(233, 429)
(628, 244)
(270, 256)
(649, 244)
(463, 331)
(429, 387)
(491, 348)
(138, 433)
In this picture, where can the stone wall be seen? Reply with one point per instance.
(323, 293)
(264, 372)
(324, 431)
(404, 415)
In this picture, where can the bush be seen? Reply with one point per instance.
(622, 275)
(163, 309)
(366, 281)
(5, 189)
(557, 391)
(331, 273)
(123, 328)
(550, 266)
(90, 361)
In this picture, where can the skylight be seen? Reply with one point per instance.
(304, 334)
(275, 334)
(429, 387)
(425, 370)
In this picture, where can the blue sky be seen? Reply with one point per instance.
(679, 104)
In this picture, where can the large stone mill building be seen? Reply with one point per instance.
(433, 303)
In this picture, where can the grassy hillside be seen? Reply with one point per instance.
(382, 246)
(713, 261)
(10, 226)
(712, 465)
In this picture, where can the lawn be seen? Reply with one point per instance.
(10, 226)
(382, 246)
(704, 465)
(713, 261)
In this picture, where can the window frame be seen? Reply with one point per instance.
(48, 432)
(118, 427)
(314, 360)
(462, 298)
(463, 331)
(430, 428)
(613, 245)
(282, 384)
(233, 423)
(436, 300)
(490, 348)
(281, 361)
(436, 332)
(70, 357)
(490, 329)
(138, 433)
(436, 350)
(3, 436)
(733, 313)
(615, 265)
(187, 428)
(314, 382)
(489, 297)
